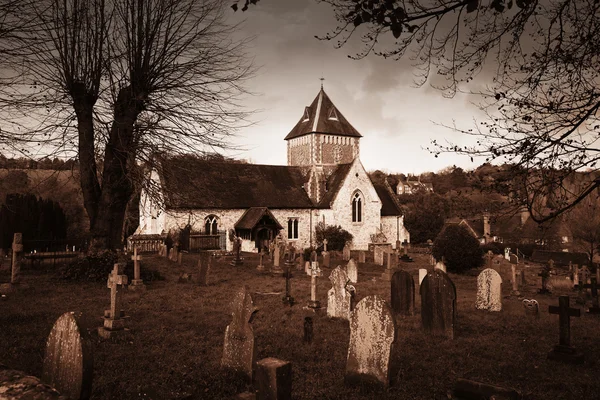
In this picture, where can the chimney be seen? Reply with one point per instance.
(487, 236)
(524, 216)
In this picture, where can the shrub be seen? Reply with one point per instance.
(461, 251)
(495, 247)
(335, 235)
(94, 267)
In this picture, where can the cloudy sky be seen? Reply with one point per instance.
(378, 96)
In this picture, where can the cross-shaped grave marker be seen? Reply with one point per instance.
(136, 283)
(113, 322)
(563, 351)
(545, 274)
(595, 308)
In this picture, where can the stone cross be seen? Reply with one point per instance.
(372, 332)
(136, 283)
(68, 360)
(239, 346)
(325, 244)
(563, 351)
(438, 303)
(403, 293)
(17, 256)
(113, 323)
(489, 291)
(595, 308)
(338, 298)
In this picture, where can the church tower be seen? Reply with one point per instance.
(320, 141)
(322, 137)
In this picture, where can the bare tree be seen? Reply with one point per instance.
(584, 223)
(543, 99)
(115, 81)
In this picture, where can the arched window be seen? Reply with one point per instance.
(293, 228)
(211, 225)
(357, 207)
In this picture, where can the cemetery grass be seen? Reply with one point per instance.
(174, 345)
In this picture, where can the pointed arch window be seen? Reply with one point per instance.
(211, 225)
(357, 203)
(292, 228)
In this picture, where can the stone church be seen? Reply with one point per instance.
(324, 182)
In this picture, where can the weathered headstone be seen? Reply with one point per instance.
(276, 269)
(19, 385)
(179, 258)
(352, 271)
(532, 308)
(68, 363)
(563, 351)
(274, 379)
(307, 268)
(438, 303)
(575, 276)
(136, 283)
(17, 258)
(422, 273)
(338, 297)
(261, 256)
(372, 333)
(204, 267)
(403, 293)
(362, 256)
(114, 323)
(346, 252)
(239, 347)
(514, 259)
(489, 291)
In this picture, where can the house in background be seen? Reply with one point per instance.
(324, 181)
(413, 186)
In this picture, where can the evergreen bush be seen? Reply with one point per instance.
(461, 251)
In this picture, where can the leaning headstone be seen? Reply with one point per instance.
(403, 293)
(274, 379)
(136, 283)
(372, 332)
(346, 253)
(438, 303)
(362, 256)
(422, 273)
(114, 323)
(239, 347)
(204, 267)
(489, 291)
(563, 351)
(532, 308)
(68, 362)
(338, 297)
(17, 258)
(352, 271)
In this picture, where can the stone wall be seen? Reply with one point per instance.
(299, 151)
(358, 180)
(393, 228)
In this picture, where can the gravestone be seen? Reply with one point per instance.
(584, 275)
(515, 283)
(314, 276)
(338, 297)
(274, 379)
(276, 269)
(19, 385)
(237, 250)
(204, 267)
(114, 324)
(403, 293)
(563, 351)
(239, 347)
(532, 308)
(136, 283)
(17, 258)
(544, 274)
(489, 291)
(372, 332)
(523, 279)
(289, 264)
(261, 256)
(68, 363)
(593, 286)
(362, 256)
(307, 268)
(346, 252)
(179, 257)
(422, 273)
(440, 265)
(326, 255)
(438, 303)
(514, 259)
(352, 271)
(389, 269)
(378, 254)
(575, 276)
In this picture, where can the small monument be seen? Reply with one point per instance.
(532, 308)
(563, 351)
(390, 267)
(338, 297)
(276, 269)
(239, 347)
(114, 323)
(545, 274)
(372, 332)
(313, 302)
(326, 255)
(438, 303)
(136, 283)
(237, 249)
(68, 361)
(403, 293)
(489, 291)
(289, 264)
(352, 271)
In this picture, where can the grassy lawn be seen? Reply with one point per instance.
(174, 345)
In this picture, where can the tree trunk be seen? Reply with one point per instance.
(117, 187)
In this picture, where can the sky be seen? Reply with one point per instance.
(378, 96)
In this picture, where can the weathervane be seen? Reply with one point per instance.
(321, 79)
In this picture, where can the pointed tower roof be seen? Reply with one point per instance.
(322, 116)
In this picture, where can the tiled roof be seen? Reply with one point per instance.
(334, 183)
(252, 216)
(388, 205)
(322, 116)
(192, 183)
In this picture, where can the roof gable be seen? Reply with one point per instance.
(322, 116)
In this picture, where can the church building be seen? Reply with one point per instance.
(324, 182)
